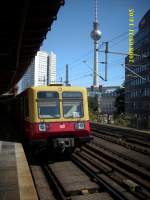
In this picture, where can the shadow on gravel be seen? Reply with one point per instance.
(45, 156)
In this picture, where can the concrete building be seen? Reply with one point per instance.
(137, 88)
(106, 97)
(42, 70)
(107, 100)
(51, 68)
(93, 91)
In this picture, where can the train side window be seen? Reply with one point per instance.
(26, 107)
(72, 104)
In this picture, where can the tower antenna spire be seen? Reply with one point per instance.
(95, 35)
(96, 18)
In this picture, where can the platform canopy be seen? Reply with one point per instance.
(23, 27)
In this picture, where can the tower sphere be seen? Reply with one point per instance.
(96, 34)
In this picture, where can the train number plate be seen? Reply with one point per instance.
(62, 126)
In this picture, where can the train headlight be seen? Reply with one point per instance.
(42, 127)
(80, 125)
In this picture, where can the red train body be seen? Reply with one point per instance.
(55, 115)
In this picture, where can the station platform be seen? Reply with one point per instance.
(15, 177)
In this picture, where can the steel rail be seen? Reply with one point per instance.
(99, 180)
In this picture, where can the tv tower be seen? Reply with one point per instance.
(95, 35)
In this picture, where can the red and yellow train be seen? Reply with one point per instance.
(54, 115)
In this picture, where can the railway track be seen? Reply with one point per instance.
(128, 140)
(131, 135)
(110, 167)
(65, 181)
(117, 176)
(109, 178)
(42, 185)
(123, 142)
(111, 142)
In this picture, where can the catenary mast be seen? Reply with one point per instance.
(95, 35)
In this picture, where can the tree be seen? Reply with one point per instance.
(93, 107)
(93, 103)
(120, 101)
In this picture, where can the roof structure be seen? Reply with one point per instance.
(23, 27)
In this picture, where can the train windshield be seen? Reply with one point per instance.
(48, 105)
(72, 104)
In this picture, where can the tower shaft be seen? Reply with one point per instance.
(95, 71)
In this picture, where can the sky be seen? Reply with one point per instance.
(70, 39)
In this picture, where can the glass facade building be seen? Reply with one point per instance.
(137, 85)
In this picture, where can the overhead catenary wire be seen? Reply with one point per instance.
(91, 51)
(83, 76)
(124, 54)
(80, 58)
(120, 35)
(126, 65)
(133, 72)
(122, 40)
(101, 45)
(84, 61)
(76, 74)
(77, 61)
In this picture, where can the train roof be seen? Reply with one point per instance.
(55, 87)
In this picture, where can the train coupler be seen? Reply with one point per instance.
(63, 143)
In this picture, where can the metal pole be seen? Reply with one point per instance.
(106, 66)
(61, 80)
(67, 75)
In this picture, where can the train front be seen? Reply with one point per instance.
(61, 118)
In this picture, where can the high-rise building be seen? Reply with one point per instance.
(42, 70)
(51, 73)
(28, 78)
(137, 87)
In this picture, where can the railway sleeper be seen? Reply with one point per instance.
(122, 156)
(87, 164)
(126, 173)
(117, 131)
(72, 180)
(117, 191)
(121, 161)
(117, 187)
(116, 176)
(95, 162)
(126, 144)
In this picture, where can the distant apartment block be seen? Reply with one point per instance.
(137, 87)
(42, 70)
(106, 97)
(94, 91)
(107, 100)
